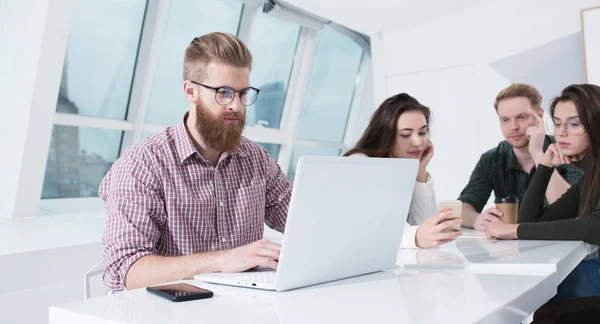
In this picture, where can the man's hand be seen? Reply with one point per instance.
(499, 230)
(438, 230)
(486, 217)
(263, 253)
(536, 134)
(424, 162)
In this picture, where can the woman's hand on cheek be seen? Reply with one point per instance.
(424, 161)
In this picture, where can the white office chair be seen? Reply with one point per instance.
(96, 270)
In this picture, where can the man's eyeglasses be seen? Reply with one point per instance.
(572, 126)
(225, 95)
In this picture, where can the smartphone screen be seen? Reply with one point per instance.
(180, 292)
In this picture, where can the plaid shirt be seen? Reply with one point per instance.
(498, 170)
(163, 198)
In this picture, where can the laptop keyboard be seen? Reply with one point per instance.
(257, 277)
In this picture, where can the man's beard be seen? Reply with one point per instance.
(216, 133)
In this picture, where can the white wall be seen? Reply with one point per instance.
(32, 282)
(2, 5)
(453, 122)
(42, 263)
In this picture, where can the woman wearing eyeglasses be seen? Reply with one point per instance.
(399, 128)
(575, 215)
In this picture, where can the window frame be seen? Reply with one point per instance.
(134, 125)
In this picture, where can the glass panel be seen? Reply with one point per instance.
(330, 88)
(78, 160)
(273, 149)
(308, 150)
(184, 20)
(273, 57)
(100, 59)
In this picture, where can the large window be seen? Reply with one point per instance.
(122, 82)
(273, 57)
(330, 88)
(96, 81)
(100, 59)
(184, 20)
(78, 160)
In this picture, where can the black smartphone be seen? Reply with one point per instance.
(180, 292)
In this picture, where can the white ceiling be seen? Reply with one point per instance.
(372, 16)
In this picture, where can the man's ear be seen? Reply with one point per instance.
(188, 91)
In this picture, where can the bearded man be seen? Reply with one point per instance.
(194, 198)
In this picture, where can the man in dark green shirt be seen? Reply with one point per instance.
(508, 168)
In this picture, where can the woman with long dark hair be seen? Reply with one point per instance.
(399, 128)
(575, 215)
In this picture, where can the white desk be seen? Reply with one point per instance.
(473, 250)
(400, 296)
(469, 281)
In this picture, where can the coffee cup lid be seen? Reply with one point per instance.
(504, 200)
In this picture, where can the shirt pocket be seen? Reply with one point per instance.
(247, 206)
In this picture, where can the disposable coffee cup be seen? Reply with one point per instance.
(509, 207)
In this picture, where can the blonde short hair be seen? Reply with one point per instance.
(214, 47)
(520, 90)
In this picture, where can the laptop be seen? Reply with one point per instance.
(346, 218)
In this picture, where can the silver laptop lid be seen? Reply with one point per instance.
(346, 218)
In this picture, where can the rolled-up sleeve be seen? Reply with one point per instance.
(135, 212)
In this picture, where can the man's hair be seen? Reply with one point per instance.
(520, 90)
(214, 47)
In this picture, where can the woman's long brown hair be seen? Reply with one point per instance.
(586, 97)
(380, 135)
